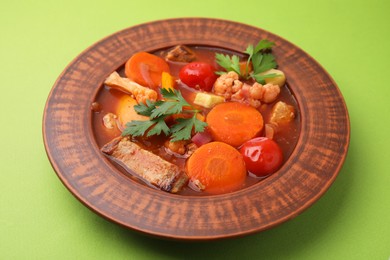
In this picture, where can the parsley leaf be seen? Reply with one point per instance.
(158, 111)
(263, 45)
(183, 128)
(137, 128)
(261, 61)
(158, 127)
(145, 109)
(173, 103)
(249, 50)
(261, 78)
(229, 64)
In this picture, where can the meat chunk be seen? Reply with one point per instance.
(140, 93)
(145, 165)
(181, 53)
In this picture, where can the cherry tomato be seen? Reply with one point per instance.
(262, 156)
(199, 75)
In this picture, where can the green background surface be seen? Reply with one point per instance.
(40, 219)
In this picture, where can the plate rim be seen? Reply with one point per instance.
(59, 171)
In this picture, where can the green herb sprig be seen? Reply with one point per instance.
(261, 62)
(158, 111)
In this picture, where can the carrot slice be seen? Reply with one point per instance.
(146, 69)
(234, 123)
(217, 168)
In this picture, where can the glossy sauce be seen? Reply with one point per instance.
(108, 100)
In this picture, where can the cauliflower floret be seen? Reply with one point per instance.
(239, 96)
(254, 102)
(141, 94)
(270, 92)
(227, 84)
(265, 93)
(256, 91)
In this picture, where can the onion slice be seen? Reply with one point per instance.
(201, 138)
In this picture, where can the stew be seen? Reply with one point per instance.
(197, 120)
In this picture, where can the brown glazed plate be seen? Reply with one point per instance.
(75, 156)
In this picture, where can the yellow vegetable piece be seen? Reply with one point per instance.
(125, 111)
(279, 80)
(167, 81)
(200, 117)
(207, 100)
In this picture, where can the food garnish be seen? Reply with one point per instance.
(261, 62)
(172, 104)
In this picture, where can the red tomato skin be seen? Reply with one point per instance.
(262, 156)
(198, 75)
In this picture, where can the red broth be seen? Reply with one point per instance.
(108, 100)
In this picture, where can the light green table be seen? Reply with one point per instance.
(40, 219)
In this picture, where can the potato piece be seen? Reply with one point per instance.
(125, 111)
(207, 100)
(282, 113)
(279, 80)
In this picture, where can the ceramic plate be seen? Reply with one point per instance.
(92, 179)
